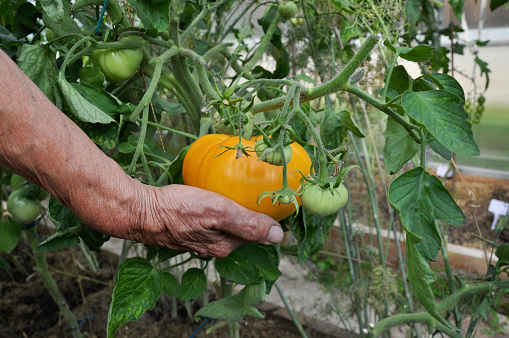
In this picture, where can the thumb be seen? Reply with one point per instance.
(253, 226)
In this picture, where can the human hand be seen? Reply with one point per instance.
(193, 219)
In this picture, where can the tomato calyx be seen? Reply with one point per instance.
(284, 195)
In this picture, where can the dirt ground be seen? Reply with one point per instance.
(27, 309)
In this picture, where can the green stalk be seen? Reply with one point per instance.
(52, 287)
(423, 147)
(226, 290)
(205, 11)
(290, 311)
(147, 97)
(447, 304)
(141, 142)
(200, 64)
(339, 82)
(175, 131)
(263, 44)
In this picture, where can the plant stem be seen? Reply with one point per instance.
(141, 141)
(205, 11)
(226, 290)
(52, 287)
(339, 82)
(264, 44)
(290, 311)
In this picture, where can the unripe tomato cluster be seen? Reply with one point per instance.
(475, 111)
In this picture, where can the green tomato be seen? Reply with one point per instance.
(285, 199)
(323, 202)
(118, 64)
(22, 208)
(271, 155)
(287, 10)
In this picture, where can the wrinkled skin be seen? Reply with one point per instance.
(38, 142)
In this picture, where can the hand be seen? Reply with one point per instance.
(192, 219)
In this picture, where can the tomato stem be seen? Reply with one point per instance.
(263, 45)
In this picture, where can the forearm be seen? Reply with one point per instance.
(40, 143)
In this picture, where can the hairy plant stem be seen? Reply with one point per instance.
(52, 287)
(263, 45)
(141, 143)
(204, 12)
(339, 82)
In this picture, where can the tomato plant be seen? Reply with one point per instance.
(202, 74)
(209, 165)
(118, 64)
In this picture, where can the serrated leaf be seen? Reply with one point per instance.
(400, 80)
(420, 53)
(421, 276)
(7, 35)
(58, 240)
(450, 84)
(61, 216)
(10, 231)
(503, 254)
(484, 70)
(137, 289)
(81, 107)
(67, 26)
(38, 62)
(420, 199)
(399, 146)
(153, 14)
(247, 264)
(54, 9)
(443, 117)
(194, 283)
(170, 284)
(237, 306)
(440, 149)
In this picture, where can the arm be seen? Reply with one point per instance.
(38, 142)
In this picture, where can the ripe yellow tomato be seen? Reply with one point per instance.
(245, 178)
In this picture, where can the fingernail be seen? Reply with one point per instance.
(275, 235)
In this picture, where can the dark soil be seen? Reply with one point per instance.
(27, 309)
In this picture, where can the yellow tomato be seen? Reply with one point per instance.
(242, 179)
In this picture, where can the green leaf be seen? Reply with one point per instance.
(420, 53)
(334, 127)
(10, 231)
(443, 117)
(194, 283)
(6, 35)
(420, 199)
(349, 30)
(449, 84)
(61, 216)
(237, 306)
(170, 284)
(54, 9)
(59, 240)
(457, 8)
(438, 148)
(503, 254)
(153, 14)
(172, 108)
(67, 26)
(137, 290)
(400, 80)
(38, 62)
(399, 146)
(421, 276)
(484, 70)
(3, 264)
(248, 264)
(494, 4)
(413, 9)
(81, 107)
(305, 78)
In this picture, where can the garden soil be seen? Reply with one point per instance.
(27, 309)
